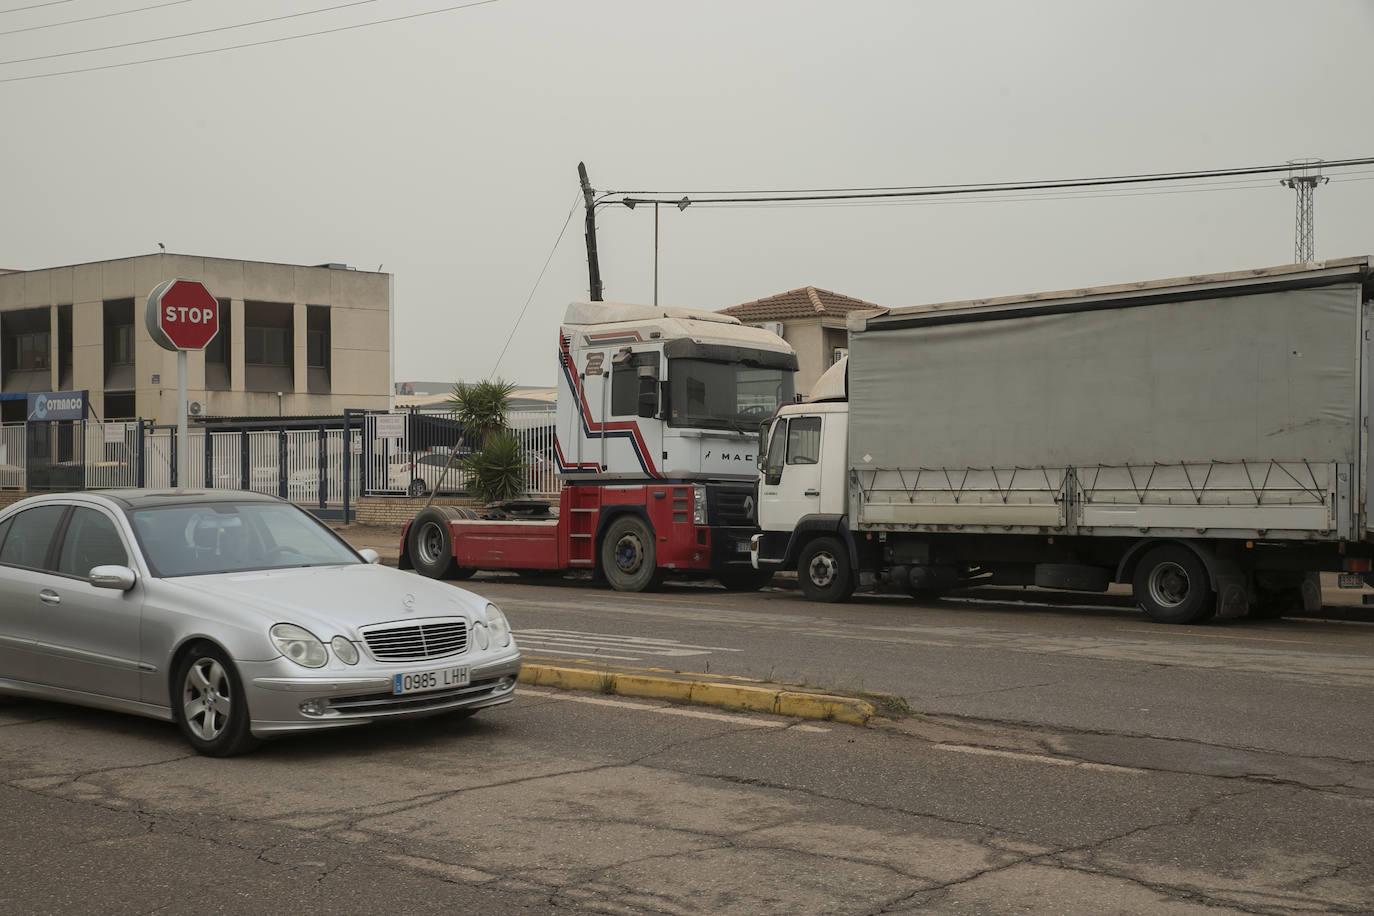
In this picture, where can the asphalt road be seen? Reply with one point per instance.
(586, 803)
(1299, 688)
(1057, 758)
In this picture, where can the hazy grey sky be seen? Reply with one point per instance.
(445, 147)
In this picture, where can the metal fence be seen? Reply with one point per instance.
(410, 453)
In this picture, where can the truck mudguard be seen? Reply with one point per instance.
(809, 525)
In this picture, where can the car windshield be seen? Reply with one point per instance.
(725, 395)
(192, 539)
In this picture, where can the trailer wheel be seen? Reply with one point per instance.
(627, 555)
(1171, 586)
(824, 571)
(431, 545)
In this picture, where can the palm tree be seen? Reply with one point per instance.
(496, 468)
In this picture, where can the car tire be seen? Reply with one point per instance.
(417, 488)
(628, 558)
(431, 545)
(1171, 586)
(745, 580)
(209, 703)
(824, 571)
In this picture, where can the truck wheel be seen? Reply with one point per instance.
(628, 557)
(745, 580)
(431, 545)
(1171, 586)
(824, 572)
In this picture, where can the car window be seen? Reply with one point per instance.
(29, 536)
(91, 540)
(4, 530)
(189, 539)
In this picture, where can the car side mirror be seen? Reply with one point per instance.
(120, 578)
(370, 555)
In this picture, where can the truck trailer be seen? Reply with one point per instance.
(656, 429)
(1204, 440)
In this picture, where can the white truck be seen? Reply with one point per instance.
(1204, 440)
(657, 425)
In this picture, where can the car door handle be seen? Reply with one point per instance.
(48, 596)
(811, 493)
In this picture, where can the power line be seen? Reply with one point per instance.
(53, 25)
(918, 191)
(20, 9)
(250, 44)
(221, 28)
(511, 336)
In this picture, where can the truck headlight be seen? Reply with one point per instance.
(698, 504)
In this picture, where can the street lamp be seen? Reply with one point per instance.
(681, 205)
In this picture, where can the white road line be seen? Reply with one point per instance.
(670, 710)
(1039, 758)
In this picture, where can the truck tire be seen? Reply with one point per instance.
(431, 545)
(745, 580)
(824, 571)
(628, 558)
(1171, 586)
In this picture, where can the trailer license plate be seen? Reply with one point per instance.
(1351, 580)
(423, 681)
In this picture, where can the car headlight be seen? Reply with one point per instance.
(299, 645)
(481, 636)
(698, 505)
(345, 650)
(500, 626)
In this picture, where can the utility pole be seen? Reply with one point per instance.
(1304, 181)
(593, 265)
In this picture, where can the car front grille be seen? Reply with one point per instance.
(411, 641)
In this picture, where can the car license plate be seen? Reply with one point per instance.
(423, 681)
(1350, 580)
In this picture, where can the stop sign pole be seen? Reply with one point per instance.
(182, 315)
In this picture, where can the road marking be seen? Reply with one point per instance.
(1040, 758)
(672, 710)
(575, 642)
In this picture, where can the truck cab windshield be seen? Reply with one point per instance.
(721, 395)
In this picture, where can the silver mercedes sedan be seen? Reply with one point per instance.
(237, 616)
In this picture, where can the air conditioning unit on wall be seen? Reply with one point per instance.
(837, 354)
(195, 408)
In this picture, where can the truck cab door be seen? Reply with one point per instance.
(791, 483)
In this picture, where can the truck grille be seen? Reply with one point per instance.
(731, 506)
(411, 641)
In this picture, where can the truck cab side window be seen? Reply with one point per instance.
(804, 440)
(773, 458)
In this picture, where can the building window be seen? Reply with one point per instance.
(122, 345)
(31, 351)
(267, 346)
(317, 349)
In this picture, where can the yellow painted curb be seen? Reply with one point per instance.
(638, 685)
(791, 703)
(735, 696)
(820, 706)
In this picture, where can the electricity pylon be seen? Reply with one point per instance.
(1305, 178)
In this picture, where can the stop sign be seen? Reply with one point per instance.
(182, 315)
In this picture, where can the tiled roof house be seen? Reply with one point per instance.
(811, 319)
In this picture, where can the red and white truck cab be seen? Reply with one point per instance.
(657, 430)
